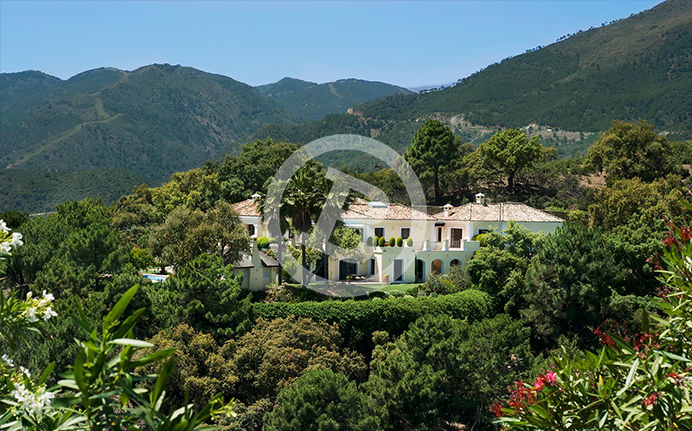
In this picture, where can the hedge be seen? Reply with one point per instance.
(357, 320)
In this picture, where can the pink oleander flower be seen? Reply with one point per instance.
(539, 384)
(651, 399)
(550, 377)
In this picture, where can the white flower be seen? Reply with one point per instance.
(33, 403)
(29, 295)
(30, 314)
(48, 313)
(25, 371)
(6, 359)
(3, 226)
(16, 240)
(48, 296)
(5, 248)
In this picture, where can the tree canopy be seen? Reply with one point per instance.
(432, 153)
(629, 150)
(505, 155)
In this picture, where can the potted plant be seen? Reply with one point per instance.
(399, 242)
(385, 278)
(409, 242)
(392, 241)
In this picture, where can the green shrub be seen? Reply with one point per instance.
(357, 320)
(444, 370)
(142, 259)
(381, 242)
(263, 243)
(321, 400)
(399, 242)
(409, 242)
(392, 241)
(437, 284)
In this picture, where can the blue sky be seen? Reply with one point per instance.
(406, 43)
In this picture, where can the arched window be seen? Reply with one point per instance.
(436, 267)
(454, 262)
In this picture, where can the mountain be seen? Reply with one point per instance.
(312, 101)
(152, 121)
(566, 92)
(634, 68)
(144, 124)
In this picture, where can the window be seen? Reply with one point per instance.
(372, 266)
(251, 230)
(359, 231)
(439, 234)
(482, 231)
(405, 232)
(265, 273)
(379, 232)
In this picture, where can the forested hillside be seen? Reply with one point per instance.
(151, 121)
(638, 67)
(312, 101)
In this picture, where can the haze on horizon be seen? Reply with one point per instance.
(411, 44)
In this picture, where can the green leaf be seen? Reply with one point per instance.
(130, 342)
(164, 375)
(630, 377)
(672, 356)
(120, 306)
(153, 357)
(78, 372)
(44, 375)
(129, 323)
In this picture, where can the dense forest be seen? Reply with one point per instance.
(580, 315)
(578, 83)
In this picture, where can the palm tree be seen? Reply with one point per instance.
(302, 203)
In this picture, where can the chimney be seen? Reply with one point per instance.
(480, 198)
(446, 208)
(256, 196)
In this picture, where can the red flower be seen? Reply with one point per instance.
(651, 399)
(520, 395)
(685, 234)
(496, 409)
(669, 241)
(550, 377)
(604, 338)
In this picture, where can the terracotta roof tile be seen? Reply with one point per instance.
(360, 210)
(505, 211)
(248, 207)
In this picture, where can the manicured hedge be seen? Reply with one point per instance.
(357, 320)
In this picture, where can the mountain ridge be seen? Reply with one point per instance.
(311, 101)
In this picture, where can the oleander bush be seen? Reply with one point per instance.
(634, 382)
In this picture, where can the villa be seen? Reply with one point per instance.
(436, 242)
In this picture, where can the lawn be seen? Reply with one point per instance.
(397, 288)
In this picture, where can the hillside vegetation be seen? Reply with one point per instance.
(566, 92)
(312, 101)
(152, 121)
(636, 67)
